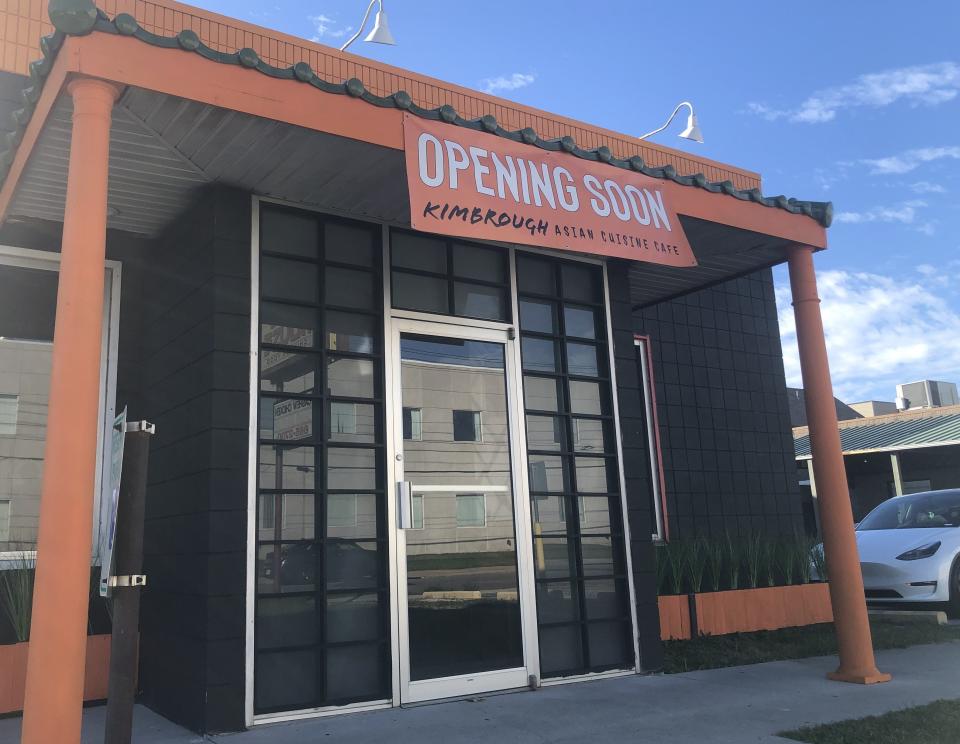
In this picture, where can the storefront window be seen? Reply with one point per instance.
(322, 622)
(583, 607)
(448, 277)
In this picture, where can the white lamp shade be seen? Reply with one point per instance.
(692, 132)
(381, 30)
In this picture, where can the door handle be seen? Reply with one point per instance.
(404, 505)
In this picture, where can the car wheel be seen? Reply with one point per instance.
(953, 606)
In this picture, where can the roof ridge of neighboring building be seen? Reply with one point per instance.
(81, 17)
(886, 418)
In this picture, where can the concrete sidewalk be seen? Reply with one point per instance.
(735, 706)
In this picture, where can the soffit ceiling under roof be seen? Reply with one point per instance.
(163, 149)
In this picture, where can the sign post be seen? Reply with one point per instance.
(126, 580)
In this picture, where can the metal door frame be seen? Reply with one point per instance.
(405, 690)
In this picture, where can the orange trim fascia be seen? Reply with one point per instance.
(186, 75)
(128, 61)
(645, 340)
(65, 63)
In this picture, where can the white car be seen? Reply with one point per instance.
(909, 548)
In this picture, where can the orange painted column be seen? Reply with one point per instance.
(54, 690)
(852, 626)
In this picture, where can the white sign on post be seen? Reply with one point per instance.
(108, 531)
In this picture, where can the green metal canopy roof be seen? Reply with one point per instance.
(894, 432)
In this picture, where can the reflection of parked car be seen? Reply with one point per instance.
(348, 566)
(910, 549)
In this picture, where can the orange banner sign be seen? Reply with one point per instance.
(475, 185)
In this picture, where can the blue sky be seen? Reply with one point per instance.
(856, 103)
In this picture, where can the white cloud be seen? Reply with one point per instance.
(925, 187)
(507, 82)
(910, 160)
(927, 85)
(880, 331)
(326, 27)
(905, 213)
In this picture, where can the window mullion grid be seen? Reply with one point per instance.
(573, 522)
(320, 483)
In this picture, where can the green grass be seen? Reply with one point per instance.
(936, 723)
(737, 649)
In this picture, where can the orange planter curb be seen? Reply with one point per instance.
(13, 663)
(746, 610)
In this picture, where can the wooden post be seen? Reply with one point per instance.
(852, 625)
(53, 702)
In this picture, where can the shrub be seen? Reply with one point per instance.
(16, 594)
(696, 563)
(753, 550)
(715, 551)
(733, 555)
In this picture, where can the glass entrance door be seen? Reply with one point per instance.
(461, 596)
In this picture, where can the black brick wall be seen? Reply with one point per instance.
(191, 337)
(636, 467)
(722, 404)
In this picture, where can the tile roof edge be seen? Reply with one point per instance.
(81, 17)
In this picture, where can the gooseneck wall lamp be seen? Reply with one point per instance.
(381, 29)
(692, 131)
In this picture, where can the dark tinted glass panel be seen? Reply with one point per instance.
(290, 419)
(320, 569)
(427, 294)
(287, 567)
(352, 516)
(554, 558)
(587, 398)
(418, 252)
(290, 280)
(541, 393)
(485, 264)
(550, 514)
(560, 649)
(609, 644)
(289, 325)
(286, 621)
(558, 601)
(539, 354)
(595, 474)
(581, 282)
(598, 557)
(351, 564)
(479, 301)
(545, 433)
(22, 288)
(547, 473)
(288, 372)
(284, 467)
(535, 276)
(592, 435)
(351, 469)
(289, 232)
(538, 315)
(349, 332)
(353, 617)
(595, 514)
(575, 492)
(605, 598)
(350, 378)
(348, 244)
(582, 359)
(355, 673)
(580, 322)
(285, 516)
(347, 288)
(352, 422)
(286, 680)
